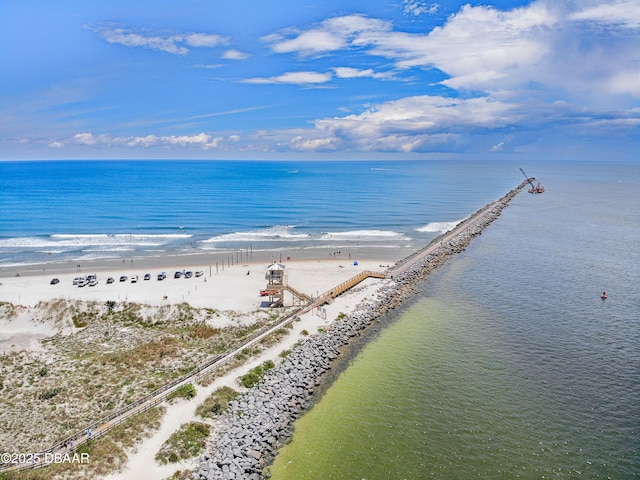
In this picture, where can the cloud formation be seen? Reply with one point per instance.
(416, 7)
(175, 43)
(485, 49)
(201, 141)
(233, 54)
(296, 78)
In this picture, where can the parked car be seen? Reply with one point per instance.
(177, 275)
(188, 274)
(77, 280)
(134, 278)
(110, 280)
(147, 276)
(54, 281)
(199, 273)
(123, 278)
(162, 276)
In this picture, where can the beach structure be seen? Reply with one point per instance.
(276, 282)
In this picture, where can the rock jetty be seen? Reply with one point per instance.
(259, 422)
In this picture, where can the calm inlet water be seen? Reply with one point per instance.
(508, 365)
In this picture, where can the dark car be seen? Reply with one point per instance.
(147, 276)
(177, 275)
(162, 276)
(54, 281)
(123, 278)
(110, 280)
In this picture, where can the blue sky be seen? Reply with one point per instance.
(309, 79)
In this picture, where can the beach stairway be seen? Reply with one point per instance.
(298, 296)
(329, 295)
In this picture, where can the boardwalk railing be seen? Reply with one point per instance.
(329, 295)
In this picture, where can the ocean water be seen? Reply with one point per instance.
(71, 211)
(508, 364)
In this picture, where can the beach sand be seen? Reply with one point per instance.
(225, 288)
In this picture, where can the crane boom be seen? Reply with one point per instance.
(534, 189)
(528, 179)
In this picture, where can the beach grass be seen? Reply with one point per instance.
(124, 352)
(187, 442)
(106, 454)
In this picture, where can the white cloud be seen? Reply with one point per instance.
(624, 13)
(84, 139)
(297, 78)
(299, 143)
(350, 72)
(204, 40)
(626, 82)
(175, 43)
(332, 34)
(409, 124)
(201, 141)
(559, 46)
(416, 7)
(233, 54)
(498, 147)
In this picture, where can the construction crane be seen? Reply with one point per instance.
(534, 188)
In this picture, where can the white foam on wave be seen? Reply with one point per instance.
(277, 233)
(81, 241)
(362, 235)
(122, 235)
(438, 227)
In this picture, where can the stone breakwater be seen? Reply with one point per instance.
(259, 422)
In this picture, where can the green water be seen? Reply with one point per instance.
(427, 399)
(440, 394)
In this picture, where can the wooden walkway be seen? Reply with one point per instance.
(329, 295)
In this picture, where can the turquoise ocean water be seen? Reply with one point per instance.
(508, 364)
(88, 210)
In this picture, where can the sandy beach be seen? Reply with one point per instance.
(232, 288)
(222, 285)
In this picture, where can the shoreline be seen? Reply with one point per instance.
(177, 260)
(261, 421)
